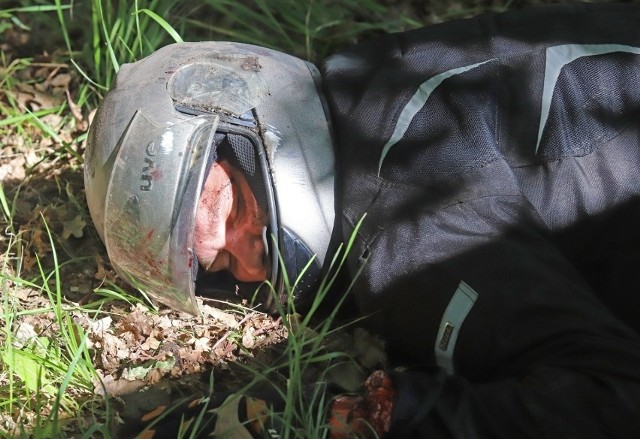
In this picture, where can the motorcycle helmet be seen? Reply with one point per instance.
(167, 118)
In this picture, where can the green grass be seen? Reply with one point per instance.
(308, 358)
(45, 374)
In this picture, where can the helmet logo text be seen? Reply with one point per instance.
(148, 168)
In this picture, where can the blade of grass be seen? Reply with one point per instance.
(46, 129)
(162, 22)
(14, 120)
(6, 212)
(59, 9)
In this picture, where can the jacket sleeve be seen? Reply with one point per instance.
(537, 356)
(441, 406)
(496, 161)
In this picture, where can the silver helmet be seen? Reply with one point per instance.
(155, 136)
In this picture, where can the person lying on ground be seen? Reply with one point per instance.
(486, 168)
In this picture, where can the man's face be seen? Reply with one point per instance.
(229, 226)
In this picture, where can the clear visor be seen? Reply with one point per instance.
(151, 204)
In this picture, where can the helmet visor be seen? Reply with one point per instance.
(151, 203)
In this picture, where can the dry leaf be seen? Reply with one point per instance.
(154, 376)
(223, 317)
(14, 170)
(24, 335)
(41, 242)
(101, 272)
(31, 97)
(74, 227)
(102, 325)
(202, 344)
(112, 387)
(60, 80)
(150, 344)
(248, 339)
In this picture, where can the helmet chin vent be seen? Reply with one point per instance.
(296, 256)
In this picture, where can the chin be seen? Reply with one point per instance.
(247, 277)
(205, 263)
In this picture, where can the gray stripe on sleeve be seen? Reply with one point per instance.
(455, 314)
(416, 102)
(559, 56)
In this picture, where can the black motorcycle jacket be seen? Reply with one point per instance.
(496, 164)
